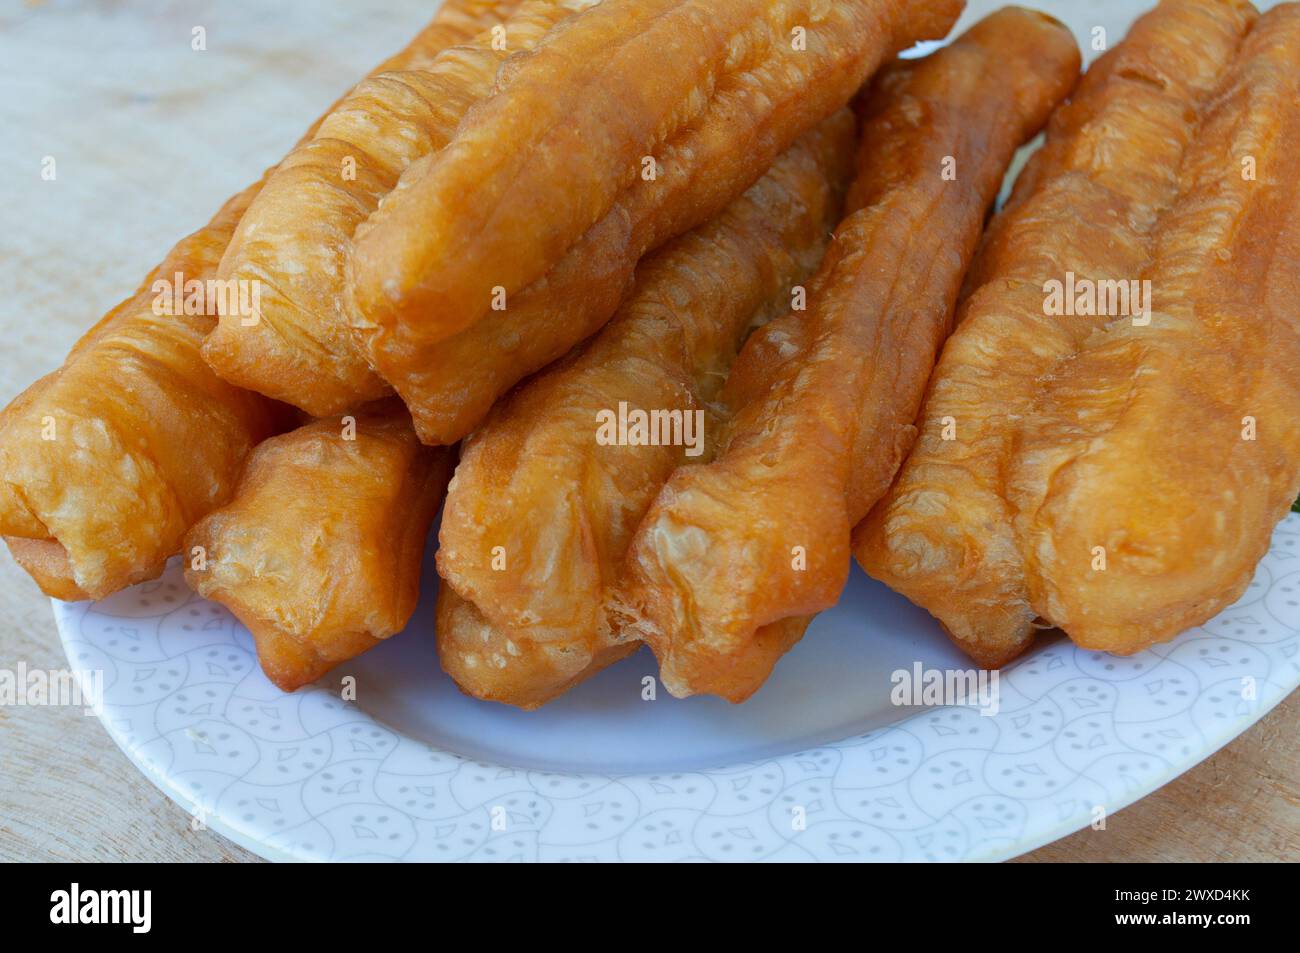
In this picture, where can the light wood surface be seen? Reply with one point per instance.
(148, 141)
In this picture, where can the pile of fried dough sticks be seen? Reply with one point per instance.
(674, 307)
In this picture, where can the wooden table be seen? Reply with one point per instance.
(147, 145)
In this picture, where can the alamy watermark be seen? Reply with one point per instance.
(51, 688)
(1085, 297)
(215, 297)
(651, 428)
(976, 688)
(133, 908)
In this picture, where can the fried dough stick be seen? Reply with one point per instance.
(735, 556)
(1087, 203)
(295, 238)
(547, 196)
(1173, 449)
(535, 481)
(107, 461)
(319, 551)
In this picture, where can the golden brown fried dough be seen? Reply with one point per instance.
(46, 561)
(1172, 449)
(319, 552)
(1087, 204)
(541, 204)
(295, 238)
(534, 479)
(735, 556)
(112, 457)
(488, 663)
(106, 462)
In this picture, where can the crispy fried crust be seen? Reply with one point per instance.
(145, 438)
(735, 556)
(489, 663)
(535, 481)
(541, 193)
(1175, 446)
(1087, 203)
(114, 456)
(46, 561)
(297, 233)
(319, 551)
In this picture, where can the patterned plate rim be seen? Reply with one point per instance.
(1058, 688)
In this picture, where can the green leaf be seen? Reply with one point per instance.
(1295, 507)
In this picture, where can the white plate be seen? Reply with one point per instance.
(413, 770)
